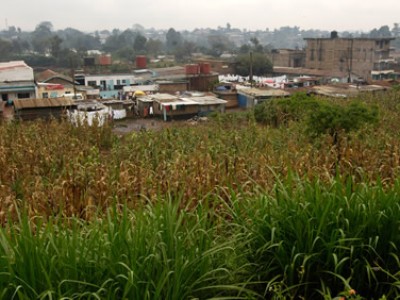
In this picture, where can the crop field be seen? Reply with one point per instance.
(250, 205)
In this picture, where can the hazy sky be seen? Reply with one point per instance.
(89, 15)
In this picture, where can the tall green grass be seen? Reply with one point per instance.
(158, 252)
(305, 239)
(309, 240)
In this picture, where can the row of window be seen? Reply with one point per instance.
(5, 97)
(103, 83)
(343, 54)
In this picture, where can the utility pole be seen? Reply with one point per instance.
(73, 78)
(251, 69)
(350, 62)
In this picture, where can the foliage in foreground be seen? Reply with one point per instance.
(157, 252)
(84, 213)
(313, 240)
(56, 168)
(306, 239)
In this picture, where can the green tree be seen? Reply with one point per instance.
(332, 119)
(154, 46)
(41, 37)
(281, 111)
(174, 40)
(256, 46)
(126, 53)
(260, 63)
(219, 43)
(55, 45)
(382, 32)
(78, 40)
(6, 48)
(337, 120)
(185, 51)
(118, 40)
(139, 45)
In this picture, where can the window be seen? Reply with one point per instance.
(312, 55)
(45, 95)
(103, 85)
(92, 83)
(123, 81)
(23, 95)
(118, 82)
(320, 54)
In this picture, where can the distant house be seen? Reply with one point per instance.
(342, 59)
(170, 107)
(142, 106)
(31, 109)
(51, 84)
(346, 90)
(207, 103)
(16, 81)
(287, 58)
(249, 97)
(109, 85)
(53, 90)
(227, 91)
(352, 58)
(50, 76)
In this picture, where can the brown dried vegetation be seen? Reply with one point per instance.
(52, 167)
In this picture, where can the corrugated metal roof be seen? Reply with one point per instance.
(206, 100)
(50, 74)
(17, 84)
(42, 103)
(13, 64)
(264, 93)
(15, 71)
(182, 101)
(311, 72)
(163, 97)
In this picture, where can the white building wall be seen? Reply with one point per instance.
(15, 71)
(97, 78)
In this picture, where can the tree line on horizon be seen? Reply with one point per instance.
(66, 48)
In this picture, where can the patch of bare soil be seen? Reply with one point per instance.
(136, 124)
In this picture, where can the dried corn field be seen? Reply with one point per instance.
(54, 168)
(229, 209)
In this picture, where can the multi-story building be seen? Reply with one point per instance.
(290, 58)
(16, 81)
(110, 85)
(351, 57)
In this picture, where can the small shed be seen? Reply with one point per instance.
(207, 104)
(142, 106)
(30, 109)
(116, 107)
(90, 112)
(167, 86)
(129, 91)
(172, 107)
(346, 90)
(227, 91)
(249, 97)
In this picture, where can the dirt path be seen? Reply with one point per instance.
(130, 124)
